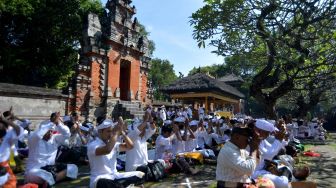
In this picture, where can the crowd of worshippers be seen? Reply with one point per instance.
(248, 152)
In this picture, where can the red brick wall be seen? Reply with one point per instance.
(144, 88)
(95, 74)
(113, 70)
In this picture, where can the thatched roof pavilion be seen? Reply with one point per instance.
(205, 89)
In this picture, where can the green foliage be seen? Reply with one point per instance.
(280, 44)
(144, 32)
(161, 74)
(39, 39)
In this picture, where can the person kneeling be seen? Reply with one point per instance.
(43, 144)
(102, 155)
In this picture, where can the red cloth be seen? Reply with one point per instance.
(29, 185)
(311, 154)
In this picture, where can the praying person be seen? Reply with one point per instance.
(139, 133)
(43, 145)
(9, 134)
(235, 164)
(102, 154)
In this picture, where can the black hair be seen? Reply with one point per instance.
(6, 114)
(291, 150)
(300, 123)
(251, 124)
(70, 124)
(241, 131)
(100, 119)
(52, 115)
(232, 121)
(85, 124)
(165, 129)
(227, 132)
(74, 114)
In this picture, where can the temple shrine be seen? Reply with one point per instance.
(112, 75)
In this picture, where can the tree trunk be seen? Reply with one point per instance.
(270, 111)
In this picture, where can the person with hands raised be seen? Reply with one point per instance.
(102, 154)
(43, 145)
(139, 133)
(9, 134)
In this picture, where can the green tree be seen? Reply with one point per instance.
(161, 74)
(40, 40)
(292, 40)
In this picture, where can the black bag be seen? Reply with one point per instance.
(148, 173)
(69, 155)
(153, 171)
(157, 170)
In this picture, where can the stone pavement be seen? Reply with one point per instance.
(323, 169)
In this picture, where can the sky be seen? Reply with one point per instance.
(168, 24)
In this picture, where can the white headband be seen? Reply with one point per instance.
(106, 124)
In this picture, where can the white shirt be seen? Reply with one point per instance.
(178, 145)
(234, 164)
(102, 166)
(75, 141)
(190, 143)
(138, 155)
(163, 115)
(41, 152)
(163, 145)
(189, 112)
(7, 141)
(201, 137)
(267, 151)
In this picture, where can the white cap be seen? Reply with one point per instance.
(25, 123)
(44, 128)
(106, 124)
(83, 128)
(167, 122)
(240, 120)
(193, 123)
(314, 119)
(214, 120)
(271, 121)
(265, 125)
(179, 119)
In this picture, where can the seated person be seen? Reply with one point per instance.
(301, 173)
(43, 145)
(102, 154)
(9, 134)
(139, 133)
(235, 164)
(75, 150)
(164, 147)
